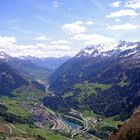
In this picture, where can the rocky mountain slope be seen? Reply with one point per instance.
(9, 79)
(103, 78)
(26, 68)
(130, 130)
(93, 62)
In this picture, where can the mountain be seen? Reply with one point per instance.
(4, 56)
(93, 61)
(130, 130)
(50, 62)
(9, 79)
(26, 68)
(103, 78)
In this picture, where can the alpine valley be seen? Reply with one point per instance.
(94, 95)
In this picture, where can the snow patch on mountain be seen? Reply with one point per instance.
(107, 49)
(4, 56)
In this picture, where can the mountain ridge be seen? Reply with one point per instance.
(96, 58)
(120, 70)
(25, 67)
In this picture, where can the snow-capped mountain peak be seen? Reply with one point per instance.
(107, 49)
(3, 55)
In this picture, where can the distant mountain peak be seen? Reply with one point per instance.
(4, 55)
(107, 49)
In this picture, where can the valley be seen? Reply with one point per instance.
(88, 97)
(69, 69)
(44, 121)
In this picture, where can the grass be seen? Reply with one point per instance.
(68, 94)
(123, 84)
(109, 122)
(22, 94)
(101, 86)
(39, 131)
(14, 107)
(29, 96)
(81, 137)
(87, 89)
(28, 93)
(88, 113)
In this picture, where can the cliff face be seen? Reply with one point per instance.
(130, 130)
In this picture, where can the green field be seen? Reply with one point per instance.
(14, 107)
(68, 94)
(29, 96)
(81, 137)
(88, 113)
(38, 131)
(123, 84)
(87, 89)
(109, 122)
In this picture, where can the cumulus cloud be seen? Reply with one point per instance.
(93, 38)
(55, 48)
(126, 26)
(73, 28)
(134, 4)
(117, 20)
(42, 38)
(116, 4)
(89, 23)
(7, 40)
(122, 13)
(76, 27)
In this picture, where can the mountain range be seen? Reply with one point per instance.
(99, 84)
(103, 78)
(9, 79)
(51, 63)
(33, 67)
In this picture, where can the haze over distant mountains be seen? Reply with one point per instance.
(33, 67)
(50, 62)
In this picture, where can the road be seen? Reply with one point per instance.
(85, 129)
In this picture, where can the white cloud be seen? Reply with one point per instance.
(122, 13)
(117, 20)
(116, 4)
(7, 40)
(76, 27)
(89, 23)
(93, 38)
(126, 26)
(57, 3)
(61, 42)
(42, 38)
(135, 4)
(73, 28)
(56, 49)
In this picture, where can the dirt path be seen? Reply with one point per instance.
(18, 129)
(10, 129)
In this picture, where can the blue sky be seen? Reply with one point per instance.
(44, 28)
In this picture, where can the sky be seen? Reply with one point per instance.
(56, 28)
